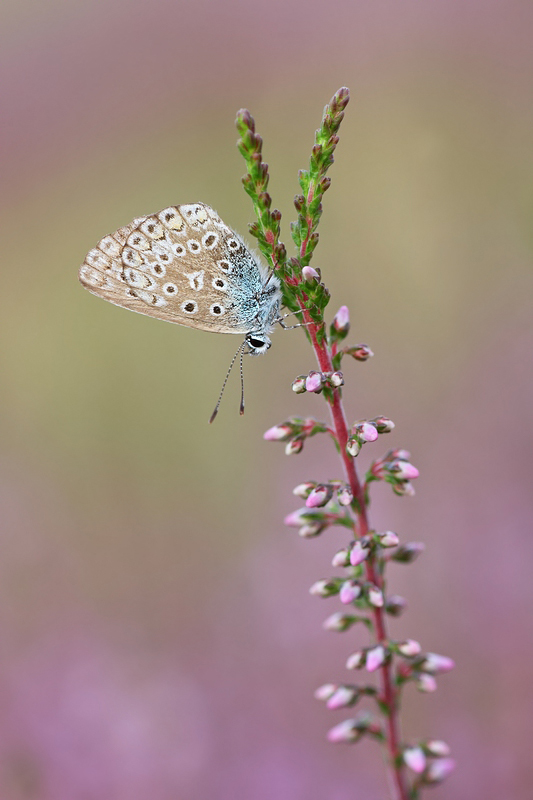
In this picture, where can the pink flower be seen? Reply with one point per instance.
(319, 496)
(439, 769)
(405, 471)
(350, 591)
(336, 379)
(389, 539)
(345, 496)
(341, 321)
(434, 663)
(358, 553)
(309, 274)
(375, 596)
(415, 759)
(341, 559)
(296, 518)
(338, 622)
(294, 447)
(409, 648)
(342, 697)
(426, 683)
(278, 433)
(344, 732)
(356, 660)
(325, 691)
(437, 747)
(375, 658)
(367, 432)
(314, 381)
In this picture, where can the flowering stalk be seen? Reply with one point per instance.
(345, 502)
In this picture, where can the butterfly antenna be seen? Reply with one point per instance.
(215, 412)
(241, 409)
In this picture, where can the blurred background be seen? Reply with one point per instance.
(157, 638)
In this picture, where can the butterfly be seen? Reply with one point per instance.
(185, 265)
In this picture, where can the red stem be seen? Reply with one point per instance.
(388, 691)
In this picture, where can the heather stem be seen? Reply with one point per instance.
(389, 692)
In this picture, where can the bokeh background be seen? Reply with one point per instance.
(157, 638)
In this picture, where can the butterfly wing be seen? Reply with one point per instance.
(183, 265)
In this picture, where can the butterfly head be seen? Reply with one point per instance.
(258, 343)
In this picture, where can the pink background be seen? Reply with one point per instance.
(157, 638)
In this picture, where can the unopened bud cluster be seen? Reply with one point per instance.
(294, 432)
(317, 381)
(367, 430)
(396, 469)
(428, 760)
(319, 494)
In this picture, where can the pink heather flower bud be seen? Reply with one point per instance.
(325, 691)
(387, 539)
(296, 518)
(383, 424)
(309, 274)
(341, 559)
(361, 352)
(338, 622)
(426, 683)
(279, 433)
(436, 747)
(366, 432)
(311, 529)
(439, 769)
(408, 552)
(304, 489)
(356, 660)
(405, 471)
(319, 496)
(375, 596)
(415, 759)
(409, 648)
(341, 322)
(395, 605)
(350, 591)
(298, 384)
(403, 455)
(404, 489)
(344, 732)
(353, 446)
(336, 379)
(342, 697)
(324, 588)
(294, 447)
(375, 658)
(345, 496)
(358, 554)
(314, 381)
(434, 663)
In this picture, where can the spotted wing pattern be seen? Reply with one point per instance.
(184, 265)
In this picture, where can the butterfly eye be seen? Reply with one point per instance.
(256, 342)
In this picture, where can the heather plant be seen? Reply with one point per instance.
(360, 583)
